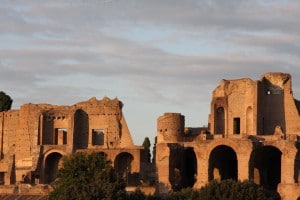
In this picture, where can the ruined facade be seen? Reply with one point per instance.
(253, 133)
(36, 137)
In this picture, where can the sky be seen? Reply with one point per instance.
(156, 56)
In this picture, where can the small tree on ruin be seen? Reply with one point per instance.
(5, 102)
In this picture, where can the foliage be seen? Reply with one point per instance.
(224, 190)
(233, 190)
(136, 195)
(88, 176)
(5, 102)
(146, 145)
(184, 194)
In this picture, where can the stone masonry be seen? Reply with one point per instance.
(36, 137)
(253, 133)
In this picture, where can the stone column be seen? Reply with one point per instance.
(287, 164)
(70, 132)
(202, 166)
(243, 157)
(287, 188)
(162, 163)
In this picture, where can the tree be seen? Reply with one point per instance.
(146, 145)
(154, 150)
(88, 176)
(5, 102)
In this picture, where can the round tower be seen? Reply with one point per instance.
(169, 127)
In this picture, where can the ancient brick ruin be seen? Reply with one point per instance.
(36, 137)
(253, 133)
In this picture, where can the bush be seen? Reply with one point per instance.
(233, 190)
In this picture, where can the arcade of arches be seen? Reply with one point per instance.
(189, 167)
(253, 132)
(123, 164)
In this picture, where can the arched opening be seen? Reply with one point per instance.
(222, 163)
(220, 121)
(81, 129)
(52, 165)
(249, 120)
(122, 165)
(182, 167)
(190, 168)
(265, 167)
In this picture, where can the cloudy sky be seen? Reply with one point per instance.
(155, 56)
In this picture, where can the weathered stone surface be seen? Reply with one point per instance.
(253, 133)
(36, 137)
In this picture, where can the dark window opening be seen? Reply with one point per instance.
(1, 178)
(236, 125)
(220, 121)
(98, 137)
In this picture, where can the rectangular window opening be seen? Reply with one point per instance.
(236, 125)
(2, 175)
(98, 137)
(60, 136)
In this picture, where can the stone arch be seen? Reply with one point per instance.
(182, 167)
(222, 163)
(226, 142)
(52, 163)
(249, 120)
(265, 166)
(122, 164)
(220, 120)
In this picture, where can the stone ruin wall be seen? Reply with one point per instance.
(267, 141)
(268, 129)
(36, 132)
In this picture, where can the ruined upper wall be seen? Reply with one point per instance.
(245, 106)
(277, 79)
(24, 133)
(106, 114)
(106, 106)
(227, 87)
(277, 104)
(233, 100)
